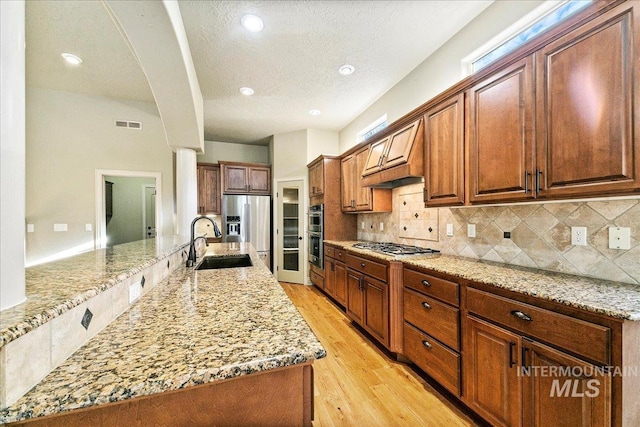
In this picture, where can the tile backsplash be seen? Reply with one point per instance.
(540, 233)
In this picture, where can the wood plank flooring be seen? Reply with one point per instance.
(358, 383)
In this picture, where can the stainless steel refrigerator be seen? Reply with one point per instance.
(248, 219)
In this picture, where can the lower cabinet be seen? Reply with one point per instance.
(335, 284)
(514, 379)
(368, 304)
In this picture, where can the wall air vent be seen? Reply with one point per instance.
(128, 124)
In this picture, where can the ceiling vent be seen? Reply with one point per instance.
(128, 124)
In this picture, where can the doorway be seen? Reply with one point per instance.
(290, 231)
(128, 206)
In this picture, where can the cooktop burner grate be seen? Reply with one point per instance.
(394, 248)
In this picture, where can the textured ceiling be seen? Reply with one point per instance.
(292, 64)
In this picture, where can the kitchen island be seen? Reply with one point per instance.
(201, 347)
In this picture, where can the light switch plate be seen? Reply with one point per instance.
(362, 226)
(88, 227)
(619, 238)
(449, 230)
(31, 228)
(471, 230)
(381, 226)
(59, 227)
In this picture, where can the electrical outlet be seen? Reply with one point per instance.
(362, 226)
(471, 230)
(382, 226)
(135, 291)
(449, 230)
(579, 236)
(31, 228)
(88, 227)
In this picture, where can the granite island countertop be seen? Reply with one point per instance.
(195, 327)
(54, 288)
(614, 299)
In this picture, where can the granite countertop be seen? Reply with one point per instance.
(77, 279)
(614, 299)
(194, 327)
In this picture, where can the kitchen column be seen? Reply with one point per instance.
(12, 149)
(186, 189)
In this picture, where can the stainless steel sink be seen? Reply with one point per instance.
(224, 261)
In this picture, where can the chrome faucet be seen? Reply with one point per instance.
(191, 259)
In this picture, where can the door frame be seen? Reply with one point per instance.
(100, 237)
(304, 201)
(144, 208)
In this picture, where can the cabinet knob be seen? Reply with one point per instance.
(426, 283)
(362, 264)
(427, 344)
(426, 305)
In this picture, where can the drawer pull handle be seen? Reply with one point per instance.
(426, 283)
(521, 315)
(362, 264)
(427, 344)
(426, 305)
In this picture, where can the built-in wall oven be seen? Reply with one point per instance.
(315, 226)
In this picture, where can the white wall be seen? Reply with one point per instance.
(70, 136)
(126, 223)
(289, 155)
(441, 70)
(214, 151)
(12, 153)
(322, 142)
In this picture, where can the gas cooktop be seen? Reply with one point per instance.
(394, 248)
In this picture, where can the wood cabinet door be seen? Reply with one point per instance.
(259, 180)
(376, 298)
(375, 157)
(341, 283)
(444, 153)
(400, 144)
(587, 89)
(209, 189)
(355, 297)
(348, 175)
(491, 363)
(561, 390)
(235, 179)
(500, 124)
(316, 179)
(363, 195)
(330, 276)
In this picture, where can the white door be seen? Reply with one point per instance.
(290, 231)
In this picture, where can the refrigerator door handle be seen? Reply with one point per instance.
(247, 228)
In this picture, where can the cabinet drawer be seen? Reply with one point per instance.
(340, 254)
(432, 357)
(433, 317)
(575, 335)
(329, 251)
(442, 289)
(368, 267)
(316, 279)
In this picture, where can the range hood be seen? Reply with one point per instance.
(396, 159)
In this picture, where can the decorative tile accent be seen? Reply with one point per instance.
(86, 318)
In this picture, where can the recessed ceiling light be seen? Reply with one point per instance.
(72, 59)
(346, 69)
(315, 112)
(246, 91)
(252, 23)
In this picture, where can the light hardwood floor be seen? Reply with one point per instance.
(357, 384)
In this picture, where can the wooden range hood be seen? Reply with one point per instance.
(396, 159)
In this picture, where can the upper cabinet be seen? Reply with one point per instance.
(395, 157)
(500, 120)
(355, 197)
(208, 189)
(316, 177)
(587, 88)
(444, 153)
(246, 178)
